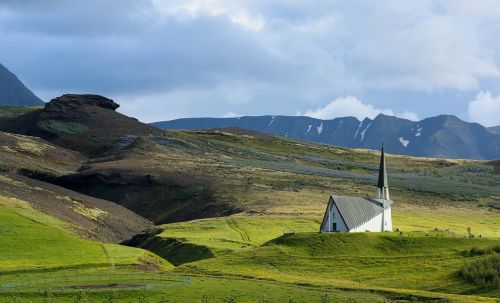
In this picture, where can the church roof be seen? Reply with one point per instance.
(382, 172)
(356, 211)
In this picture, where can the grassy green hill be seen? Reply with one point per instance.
(39, 253)
(208, 238)
(389, 262)
(34, 241)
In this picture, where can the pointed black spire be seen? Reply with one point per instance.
(382, 173)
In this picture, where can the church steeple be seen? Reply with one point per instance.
(383, 185)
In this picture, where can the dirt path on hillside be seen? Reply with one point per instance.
(234, 226)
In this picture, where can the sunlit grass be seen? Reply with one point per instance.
(365, 261)
(31, 240)
(224, 235)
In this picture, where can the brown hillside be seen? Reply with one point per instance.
(88, 217)
(19, 152)
(112, 160)
(85, 123)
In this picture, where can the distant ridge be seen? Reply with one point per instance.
(495, 129)
(443, 136)
(14, 92)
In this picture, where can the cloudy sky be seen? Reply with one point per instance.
(164, 59)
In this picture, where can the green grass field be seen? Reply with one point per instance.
(220, 236)
(225, 235)
(34, 241)
(483, 222)
(210, 289)
(375, 262)
(422, 260)
(251, 261)
(43, 255)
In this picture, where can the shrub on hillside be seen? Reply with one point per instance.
(48, 297)
(68, 128)
(230, 299)
(204, 298)
(483, 273)
(111, 298)
(477, 251)
(81, 297)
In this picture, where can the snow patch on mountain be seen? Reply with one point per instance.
(272, 120)
(357, 131)
(404, 142)
(419, 131)
(364, 131)
(308, 129)
(320, 128)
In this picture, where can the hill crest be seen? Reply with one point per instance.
(85, 123)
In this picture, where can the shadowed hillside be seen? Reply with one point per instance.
(88, 217)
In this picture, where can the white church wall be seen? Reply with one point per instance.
(333, 217)
(373, 225)
(388, 219)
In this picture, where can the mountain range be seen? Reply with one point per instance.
(444, 136)
(14, 92)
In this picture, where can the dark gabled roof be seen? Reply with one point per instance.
(382, 172)
(356, 211)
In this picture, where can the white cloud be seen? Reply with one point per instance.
(184, 102)
(408, 115)
(233, 10)
(352, 106)
(230, 115)
(235, 93)
(206, 57)
(432, 52)
(485, 109)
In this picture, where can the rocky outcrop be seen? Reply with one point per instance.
(74, 101)
(84, 123)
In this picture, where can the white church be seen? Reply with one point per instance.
(355, 214)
